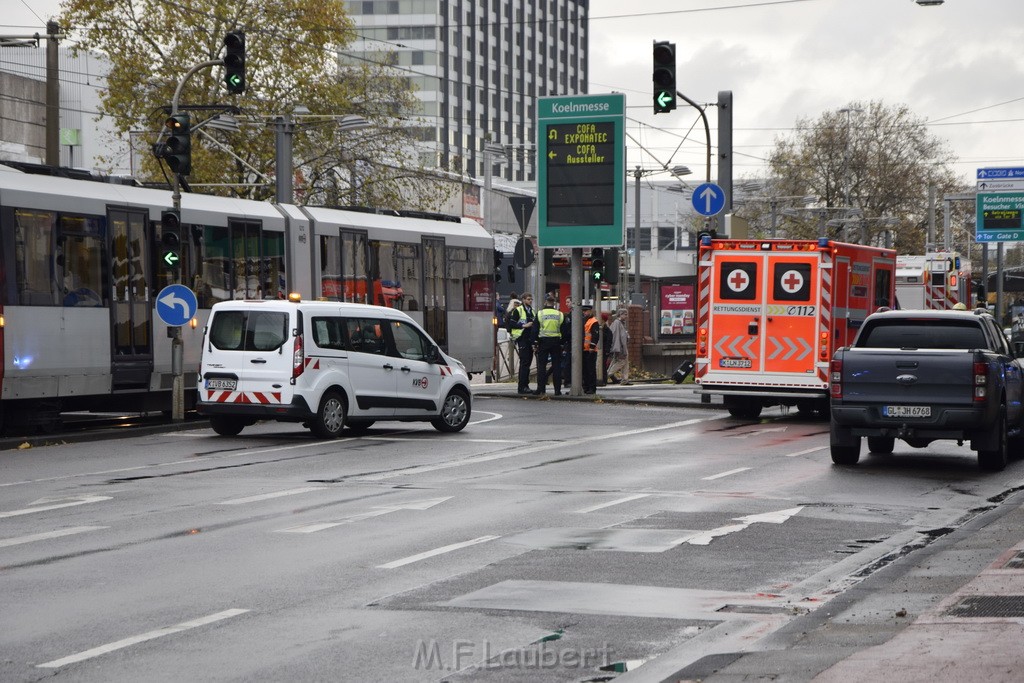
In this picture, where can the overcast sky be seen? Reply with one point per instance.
(959, 65)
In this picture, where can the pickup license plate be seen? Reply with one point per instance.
(907, 411)
(220, 384)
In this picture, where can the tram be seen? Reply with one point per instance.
(82, 263)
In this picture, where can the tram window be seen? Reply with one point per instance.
(83, 270)
(458, 278)
(34, 249)
(214, 276)
(409, 270)
(330, 268)
(272, 275)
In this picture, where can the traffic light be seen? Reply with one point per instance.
(177, 151)
(170, 239)
(597, 264)
(611, 266)
(234, 62)
(497, 265)
(664, 77)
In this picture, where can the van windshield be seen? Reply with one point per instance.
(249, 330)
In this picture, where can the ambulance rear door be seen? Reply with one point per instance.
(792, 307)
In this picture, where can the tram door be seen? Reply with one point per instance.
(131, 310)
(435, 307)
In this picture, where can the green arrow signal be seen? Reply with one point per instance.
(234, 79)
(663, 99)
(171, 258)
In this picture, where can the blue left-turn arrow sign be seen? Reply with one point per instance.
(176, 305)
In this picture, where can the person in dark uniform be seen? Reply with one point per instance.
(549, 347)
(522, 321)
(567, 344)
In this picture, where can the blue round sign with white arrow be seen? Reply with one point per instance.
(176, 305)
(708, 199)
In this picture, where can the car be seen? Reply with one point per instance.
(330, 365)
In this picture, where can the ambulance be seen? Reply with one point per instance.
(771, 312)
(934, 281)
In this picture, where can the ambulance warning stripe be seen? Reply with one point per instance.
(703, 311)
(789, 346)
(254, 397)
(825, 319)
(724, 348)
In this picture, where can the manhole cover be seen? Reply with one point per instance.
(1010, 606)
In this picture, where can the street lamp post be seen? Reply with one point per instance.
(284, 129)
(846, 155)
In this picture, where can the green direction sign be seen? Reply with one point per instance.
(171, 258)
(581, 179)
(999, 217)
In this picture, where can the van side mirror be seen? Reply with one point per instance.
(433, 355)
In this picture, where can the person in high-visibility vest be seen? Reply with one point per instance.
(522, 323)
(591, 338)
(549, 347)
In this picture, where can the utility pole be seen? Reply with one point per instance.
(52, 94)
(725, 146)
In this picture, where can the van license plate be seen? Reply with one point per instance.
(908, 411)
(221, 384)
(736, 363)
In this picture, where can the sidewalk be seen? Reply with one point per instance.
(950, 611)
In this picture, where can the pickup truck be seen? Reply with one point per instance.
(921, 376)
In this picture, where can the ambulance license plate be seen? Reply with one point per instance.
(907, 411)
(221, 384)
(736, 363)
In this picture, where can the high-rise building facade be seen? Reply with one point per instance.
(478, 67)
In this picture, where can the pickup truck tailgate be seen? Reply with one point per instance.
(922, 377)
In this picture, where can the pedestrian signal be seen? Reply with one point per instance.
(597, 264)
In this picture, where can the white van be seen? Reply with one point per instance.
(329, 365)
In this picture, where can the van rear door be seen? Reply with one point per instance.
(247, 357)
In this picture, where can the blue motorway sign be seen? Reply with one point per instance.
(999, 216)
(998, 173)
(176, 305)
(708, 199)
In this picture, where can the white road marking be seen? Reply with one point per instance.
(806, 451)
(725, 474)
(614, 502)
(377, 512)
(524, 451)
(268, 496)
(413, 438)
(705, 537)
(7, 542)
(80, 500)
(437, 551)
(189, 461)
(756, 432)
(134, 640)
(494, 416)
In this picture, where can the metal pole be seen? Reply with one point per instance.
(52, 95)
(999, 284)
(283, 128)
(775, 218)
(575, 286)
(635, 293)
(930, 245)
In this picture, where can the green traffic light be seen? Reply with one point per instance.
(171, 258)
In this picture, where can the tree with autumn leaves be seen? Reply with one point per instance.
(292, 64)
(858, 172)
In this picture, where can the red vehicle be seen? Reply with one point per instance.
(770, 313)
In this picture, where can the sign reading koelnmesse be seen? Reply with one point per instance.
(1000, 204)
(581, 179)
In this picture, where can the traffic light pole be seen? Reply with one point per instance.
(177, 343)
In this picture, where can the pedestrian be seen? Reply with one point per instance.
(591, 339)
(522, 323)
(549, 346)
(620, 349)
(605, 359)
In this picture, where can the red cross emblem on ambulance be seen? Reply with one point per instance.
(792, 281)
(738, 280)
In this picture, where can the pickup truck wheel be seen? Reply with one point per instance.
(845, 448)
(995, 460)
(881, 445)
(330, 416)
(743, 407)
